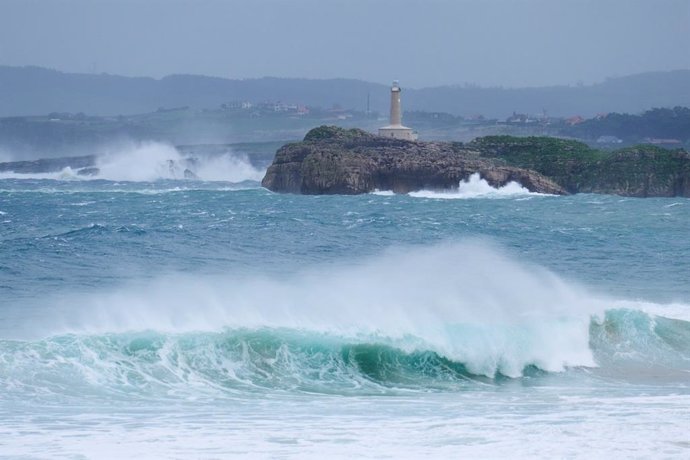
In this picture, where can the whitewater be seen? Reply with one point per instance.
(144, 314)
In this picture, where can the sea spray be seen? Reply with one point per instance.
(465, 301)
(140, 162)
(150, 161)
(476, 187)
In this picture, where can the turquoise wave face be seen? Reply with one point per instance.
(631, 340)
(158, 366)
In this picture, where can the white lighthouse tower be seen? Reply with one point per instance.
(395, 129)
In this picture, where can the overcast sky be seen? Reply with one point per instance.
(421, 42)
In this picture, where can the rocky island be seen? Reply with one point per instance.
(333, 160)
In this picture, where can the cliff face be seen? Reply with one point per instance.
(336, 161)
(641, 172)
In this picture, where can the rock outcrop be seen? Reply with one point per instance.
(333, 160)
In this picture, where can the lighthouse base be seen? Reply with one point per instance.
(398, 132)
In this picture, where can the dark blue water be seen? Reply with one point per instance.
(93, 234)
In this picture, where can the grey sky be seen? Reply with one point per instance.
(421, 42)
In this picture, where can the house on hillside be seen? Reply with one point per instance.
(663, 142)
(609, 140)
(517, 118)
(576, 120)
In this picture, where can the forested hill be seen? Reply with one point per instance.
(656, 123)
(34, 91)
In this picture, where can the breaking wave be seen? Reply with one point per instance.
(419, 319)
(153, 161)
(476, 187)
(155, 364)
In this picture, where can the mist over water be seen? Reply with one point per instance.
(5, 156)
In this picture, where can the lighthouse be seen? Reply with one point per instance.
(395, 129)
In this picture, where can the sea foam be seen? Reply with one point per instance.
(476, 187)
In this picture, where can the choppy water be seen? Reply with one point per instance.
(178, 319)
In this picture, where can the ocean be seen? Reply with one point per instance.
(147, 316)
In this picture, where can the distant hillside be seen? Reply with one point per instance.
(632, 94)
(662, 126)
(34, 90)
(37, 91)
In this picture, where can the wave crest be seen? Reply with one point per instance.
(213, 364)
(463, 301)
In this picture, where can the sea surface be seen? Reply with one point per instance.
(146, 316)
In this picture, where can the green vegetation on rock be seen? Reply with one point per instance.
(335, 133)
(564, 161)
(642, 170)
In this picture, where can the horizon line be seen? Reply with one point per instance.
(463, 85)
